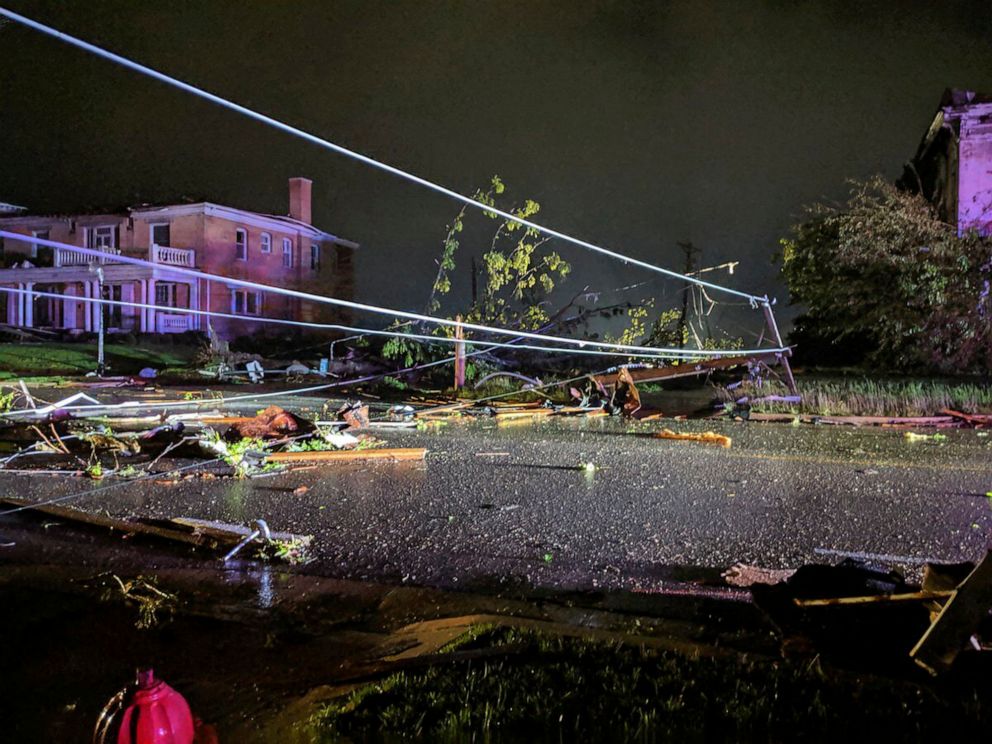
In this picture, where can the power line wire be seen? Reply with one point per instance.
(270, 121)
(232, 282)
(320, 326)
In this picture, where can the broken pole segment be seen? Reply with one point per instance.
(459, 354)
(783, 357)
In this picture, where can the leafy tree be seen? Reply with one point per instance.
(518, 275)
(884, 275)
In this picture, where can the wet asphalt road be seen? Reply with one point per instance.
(498, 503)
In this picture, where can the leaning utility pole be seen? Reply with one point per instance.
(690, 265)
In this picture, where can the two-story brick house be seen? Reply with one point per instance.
(284, 251)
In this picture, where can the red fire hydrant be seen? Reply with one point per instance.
(157, 714)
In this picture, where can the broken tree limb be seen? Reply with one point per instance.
(396, 454)
(949, 632)
(189, 531)
(975, 419)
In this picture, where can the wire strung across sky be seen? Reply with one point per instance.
(231, 282)
(270, 121)
(321, 326)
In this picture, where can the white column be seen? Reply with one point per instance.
(19, 307)
(87, 308)
(69, 307)
(152, 320)
(28, 306)
(14, 305)
(142, 297)
(194, 304)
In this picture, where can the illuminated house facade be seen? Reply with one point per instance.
(952, 167)
(284, 251)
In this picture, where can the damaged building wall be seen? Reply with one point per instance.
(952, 167)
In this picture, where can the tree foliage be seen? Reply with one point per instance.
(885, 271)
(518, 275)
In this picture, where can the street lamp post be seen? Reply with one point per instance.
(100, 365)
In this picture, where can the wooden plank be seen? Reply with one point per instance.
(968, 606)
(124, 526)
(706, 437)
(396, 454)
(232, 533)
(531, 413)
(873, 599)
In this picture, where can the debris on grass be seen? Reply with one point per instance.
(150, 601)
(270, 423)
(912, 436)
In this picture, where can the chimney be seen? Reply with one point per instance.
(299, 199)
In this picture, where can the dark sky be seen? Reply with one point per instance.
(635, 124)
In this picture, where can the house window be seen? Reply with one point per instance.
(160, 234)
(287, 253)
(246, 302)
(314, 256)
(165, 294)
(101, 238)
(241, 244)
(43, 234)
(266, 245)
(113, 315)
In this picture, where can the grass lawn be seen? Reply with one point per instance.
(825, 395)
(45, 359)
(542, 688)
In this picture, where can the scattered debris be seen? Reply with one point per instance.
(914, 437)
(871, 615)
(270, 423)
(355, 455)
(741, 574)
(968, 605)
(356, 415)
(149, 599)
(626, 398)
(706, 437)
(297, 369)
(261, 530)
(255, 371)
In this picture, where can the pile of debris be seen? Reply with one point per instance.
(870, 616)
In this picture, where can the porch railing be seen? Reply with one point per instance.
(169, 256)
(171, 323)
(69, 257)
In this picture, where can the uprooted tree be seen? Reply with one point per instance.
(883, 280)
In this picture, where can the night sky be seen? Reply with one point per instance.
(635, 124)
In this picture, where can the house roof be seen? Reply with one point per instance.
(6, 208)
(957, 98)
(258, 219)
(21, 216)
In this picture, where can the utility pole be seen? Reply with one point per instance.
(690, 265)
